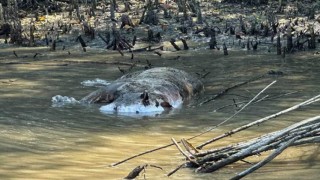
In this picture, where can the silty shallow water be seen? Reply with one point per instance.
(38, 141)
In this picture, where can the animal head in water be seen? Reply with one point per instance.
(153, 90)
(124, 100)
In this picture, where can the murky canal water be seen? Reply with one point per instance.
(38, 141)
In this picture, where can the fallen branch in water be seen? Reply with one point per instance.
(213, 160)
(303, 132)
(259, 121)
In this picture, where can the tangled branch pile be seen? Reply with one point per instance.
(303, 132)
(306, 131)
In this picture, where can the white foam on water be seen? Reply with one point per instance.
(59, 101)
(95, 82)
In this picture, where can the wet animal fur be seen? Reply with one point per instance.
(156, 86)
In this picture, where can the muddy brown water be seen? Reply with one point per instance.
(38, 141)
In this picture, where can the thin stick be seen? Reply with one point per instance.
(189, 147)
(254, 98)
(230, 88)
(265, 98)
(309, 101)
(315, 139)
(175, 170)
(143, 153)
(181, 151)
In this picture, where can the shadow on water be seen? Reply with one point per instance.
(76, 141)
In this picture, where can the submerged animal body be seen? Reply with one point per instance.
(152, 90)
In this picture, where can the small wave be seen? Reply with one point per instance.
(94, 83)
(59, 101)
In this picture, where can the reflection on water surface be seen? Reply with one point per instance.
(38, 141)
